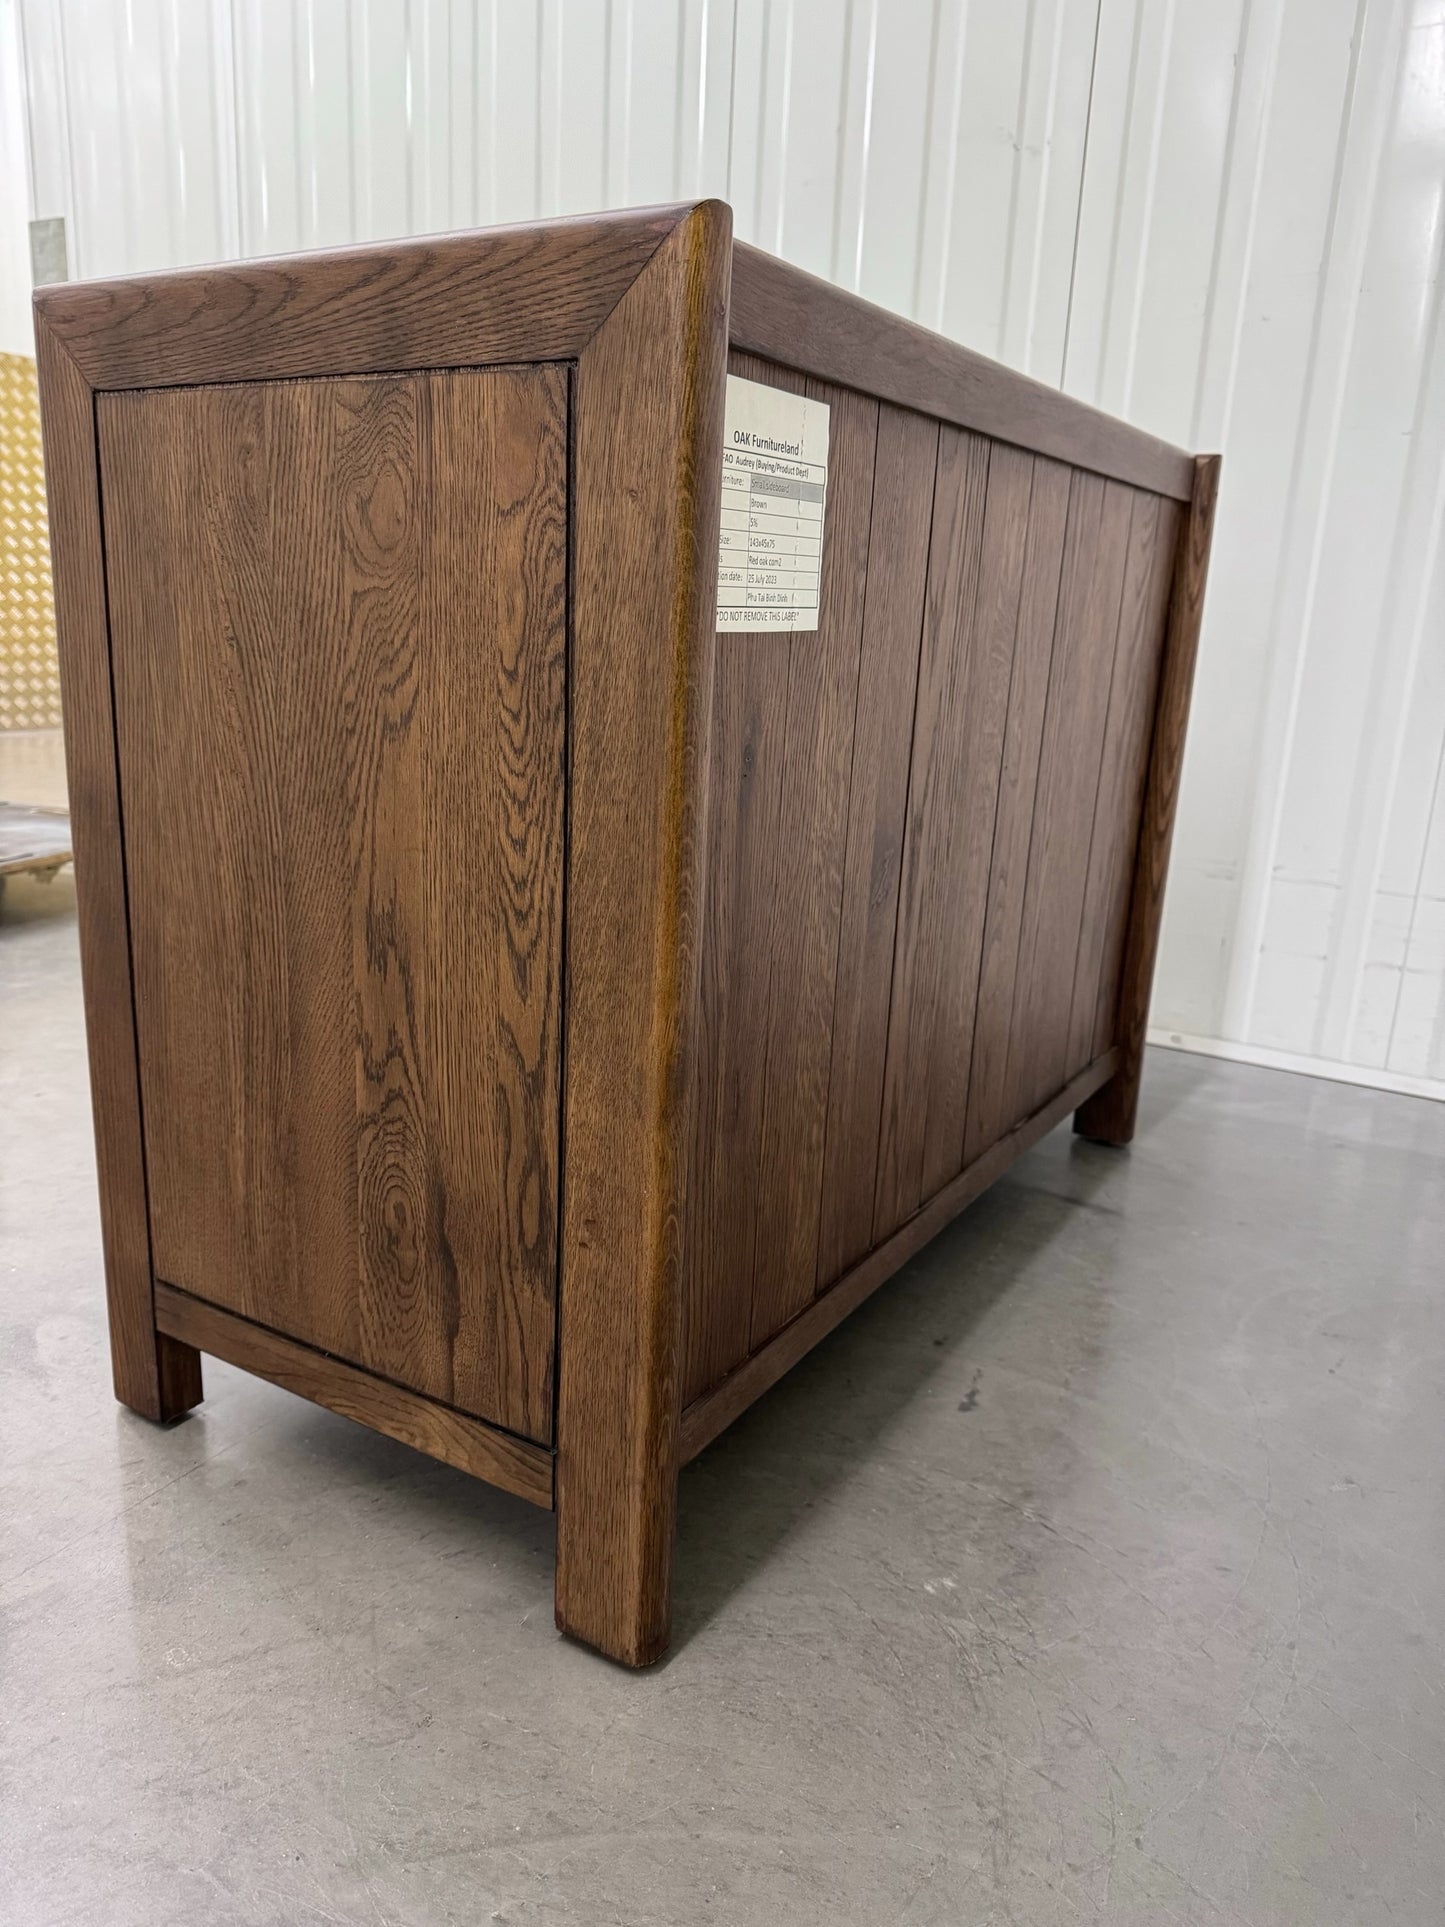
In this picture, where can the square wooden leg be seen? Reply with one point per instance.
(169, 1388)
(178, 1374)
(614, 1569)
(1111, 1113)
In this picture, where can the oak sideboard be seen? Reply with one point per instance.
(615, 788)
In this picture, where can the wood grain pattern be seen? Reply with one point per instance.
(962, 868)
(1132, 691)
(745, 787)
(907, 462)
(1110, 1116)
(783, 716)
(154, 1374)
(1090, 586)
(988, 1094)
(386, 653)
(535, 292)
(807, 324)
(338, 617)
(942, 780)
(811, 835)
(710, 1415)
(495, 537)
(645, 580)
(454, 1437)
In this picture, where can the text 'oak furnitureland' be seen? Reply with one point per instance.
(615, 788)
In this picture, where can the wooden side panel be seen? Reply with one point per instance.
(338, 613)
(988, 1094)
(904, 477)
(1138, 651)
(784, 708)
(1078, 700)
(974, 937)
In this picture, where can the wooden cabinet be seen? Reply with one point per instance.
(521, 1016)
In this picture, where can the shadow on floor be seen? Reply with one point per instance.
(743, 1497)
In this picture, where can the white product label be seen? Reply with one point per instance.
(774, 489)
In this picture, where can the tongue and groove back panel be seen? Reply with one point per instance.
(338, 611)
(921, 840)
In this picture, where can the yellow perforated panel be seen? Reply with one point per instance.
(29, 674)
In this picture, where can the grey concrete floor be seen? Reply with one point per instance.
(1094, 1570)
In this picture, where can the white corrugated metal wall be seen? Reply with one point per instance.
(1220, 218)
(15, 332)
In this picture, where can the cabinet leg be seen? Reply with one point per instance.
(178, 1372)
(159, 1380)
(614, 1568)
(1109, 1116)
(640, 706)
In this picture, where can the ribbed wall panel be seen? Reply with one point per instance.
(1224, 222)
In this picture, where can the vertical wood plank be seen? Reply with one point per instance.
(745, 785)
(966, 855)
(1110, 1115)
(922, 954)
(1137, 655)
(644, 581)
(363, 524)
(284, 572)
(905, 470)
(156, 1376)
(744, 792)
(812, 827)
(988, 1095)
(1089, 594)
(494, 703)
(198, 742)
